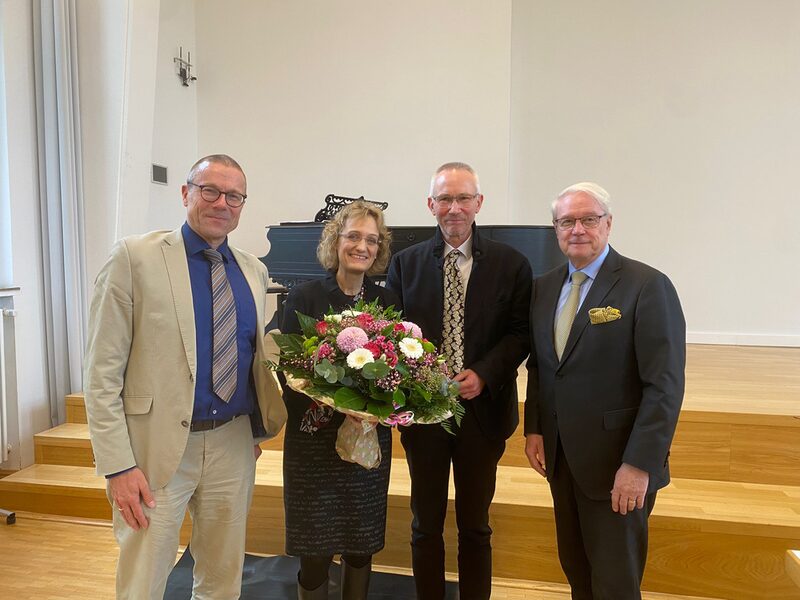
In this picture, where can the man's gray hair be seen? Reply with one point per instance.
(454, 166)
(587, 187)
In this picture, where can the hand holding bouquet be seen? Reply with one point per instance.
(371, 365)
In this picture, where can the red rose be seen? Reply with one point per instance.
(374, 348)
(364, 319)
(322, 327)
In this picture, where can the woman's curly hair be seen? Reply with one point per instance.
(327, 253)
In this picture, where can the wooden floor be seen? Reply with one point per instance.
(50, 558)
(721, 529)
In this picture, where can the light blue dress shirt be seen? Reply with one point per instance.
(591, 270)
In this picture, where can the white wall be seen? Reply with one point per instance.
(175, 119)
(134, 113)
(102, 33)
(353, 98)
(23, 183)
(687, 112)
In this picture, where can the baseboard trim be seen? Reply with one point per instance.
(742, 339)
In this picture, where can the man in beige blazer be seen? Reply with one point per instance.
(177, 397)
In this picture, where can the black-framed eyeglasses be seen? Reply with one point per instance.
(354, 237)
(588, 222)
(461, 199)
(210, 194)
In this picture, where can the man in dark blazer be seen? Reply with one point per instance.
(604, 393)
(496, 282)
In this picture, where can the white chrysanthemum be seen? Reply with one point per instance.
(359, 357)
(350, 313)
(410, 347)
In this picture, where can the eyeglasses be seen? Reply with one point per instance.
(461, 199)
(211, 194)
(588, 222)
(355, 237)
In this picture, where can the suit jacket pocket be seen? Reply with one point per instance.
(617, 419)
(137, 405)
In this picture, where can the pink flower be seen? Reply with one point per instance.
(391, 358)
(379, 325)
(324, 351)
(322, 327)
(351, 338)
(412, 329)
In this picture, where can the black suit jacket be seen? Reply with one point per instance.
(616, 393)
(496, 337)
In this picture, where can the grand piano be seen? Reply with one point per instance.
(292, 256)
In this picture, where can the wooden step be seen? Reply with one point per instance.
(75, 408)
(67, 444)
(793, 566)
(713, 539)
(46, 551)
(754, 447)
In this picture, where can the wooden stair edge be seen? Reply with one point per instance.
(680, 506)
(688, 414)
(793, 565)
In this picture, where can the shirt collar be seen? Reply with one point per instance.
(194, 243)
(465, 248)
(593, 267)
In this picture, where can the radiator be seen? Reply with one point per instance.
(6, 347)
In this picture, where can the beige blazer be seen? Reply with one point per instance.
(139, 373)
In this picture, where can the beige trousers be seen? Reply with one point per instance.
(215, 481)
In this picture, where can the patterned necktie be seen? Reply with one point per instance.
(453, 321)
(567, 316)
(225, 361)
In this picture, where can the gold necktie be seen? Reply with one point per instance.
(453, 318)
(567, 316)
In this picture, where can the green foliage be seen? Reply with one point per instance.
(328, 371)
(307, 324)
(375, 370)
(290, 344)
(349, 398)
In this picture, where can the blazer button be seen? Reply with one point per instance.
(185, 423)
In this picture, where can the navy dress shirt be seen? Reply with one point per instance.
(207, 405)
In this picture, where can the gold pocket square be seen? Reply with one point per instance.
(604, 315)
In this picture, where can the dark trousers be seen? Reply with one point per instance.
(429, 451)
(603, 553)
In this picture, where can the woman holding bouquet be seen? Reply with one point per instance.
(333, 506)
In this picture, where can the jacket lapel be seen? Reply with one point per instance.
(607, 278)
(255, 283)
(180, 285)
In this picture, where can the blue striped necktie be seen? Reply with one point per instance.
(225, 362)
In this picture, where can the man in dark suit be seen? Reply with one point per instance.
(605, 386)
(471, 297)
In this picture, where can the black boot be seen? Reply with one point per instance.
(321, 593)
(355, 581)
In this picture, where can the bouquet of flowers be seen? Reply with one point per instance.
(370, 364)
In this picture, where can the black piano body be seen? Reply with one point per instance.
(292, 256)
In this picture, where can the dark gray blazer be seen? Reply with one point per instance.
(616, 393)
